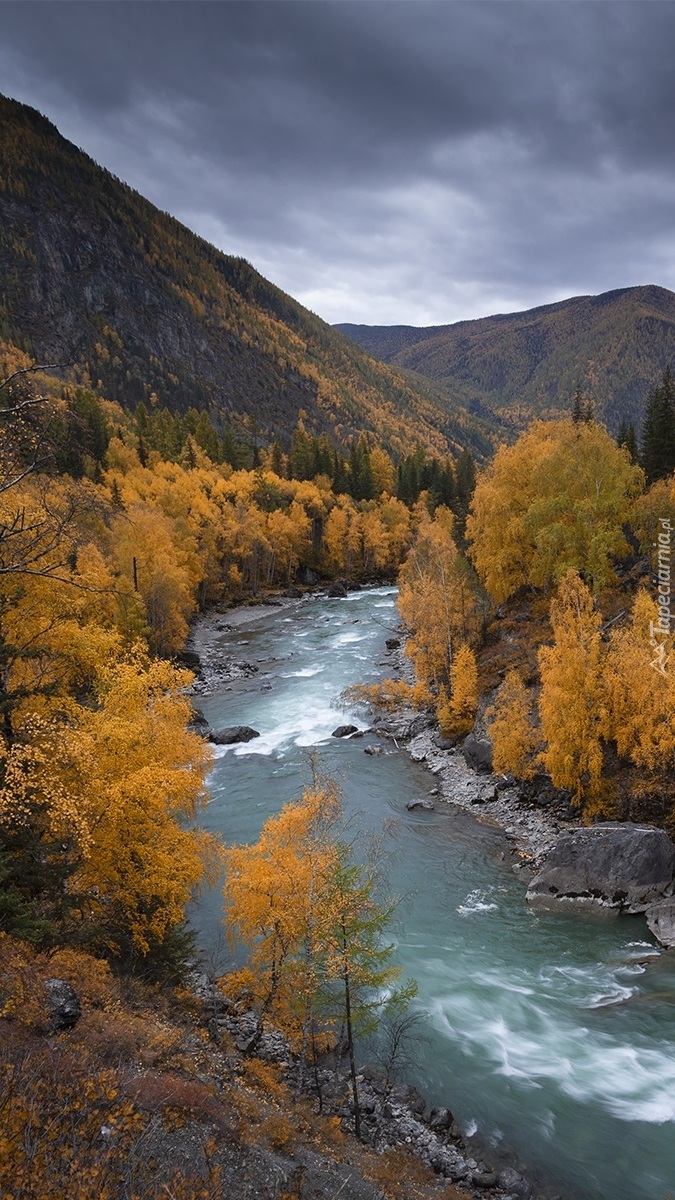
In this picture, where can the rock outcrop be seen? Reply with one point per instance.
(661, 921)
(624, 866)
(478, 753)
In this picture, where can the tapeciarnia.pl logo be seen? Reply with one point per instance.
(660, 630)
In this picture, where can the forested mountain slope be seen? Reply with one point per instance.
(613, 346)
(93, 275)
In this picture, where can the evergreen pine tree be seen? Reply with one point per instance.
(627, 437)
(658, 431)
(577, 406)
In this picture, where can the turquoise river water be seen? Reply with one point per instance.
(550, 1035)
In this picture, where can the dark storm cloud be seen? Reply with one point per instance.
(402, 161)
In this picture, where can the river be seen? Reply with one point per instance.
(551, 1035)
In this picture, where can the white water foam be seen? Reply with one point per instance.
(476, 901)
(531, 1046)
(345, 639)
(304, 673)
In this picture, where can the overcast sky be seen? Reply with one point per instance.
(384, 162)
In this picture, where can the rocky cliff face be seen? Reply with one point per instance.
(93, 275)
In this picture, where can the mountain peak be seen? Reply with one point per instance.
(614, 345)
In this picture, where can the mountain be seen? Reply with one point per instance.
(93, 275)
(519, 365)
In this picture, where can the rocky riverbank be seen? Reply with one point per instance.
(491, 798)
(393, 1114)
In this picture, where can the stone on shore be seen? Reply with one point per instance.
(233, 734)
(624, 866)
(513, 1183)
(344, 731)
(337, 591)
(478, 753)
(65, 1009)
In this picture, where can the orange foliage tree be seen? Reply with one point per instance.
(554, 501)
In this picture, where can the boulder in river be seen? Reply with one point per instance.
(427, 805)
(623, 866)
(661, 921)
(344, 731)
(393, 643)
(478, 753)
(337, 591)
(233, 734)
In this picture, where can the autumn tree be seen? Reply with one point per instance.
(114, 788)
(554, 501)
(438, 600)
(313, 926)
(572, 694)
(640, 685)
(512, 733)
(358, 961)
(456, 710)
(273, 891)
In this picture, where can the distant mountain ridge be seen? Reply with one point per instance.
(519, 365)
(94, 275)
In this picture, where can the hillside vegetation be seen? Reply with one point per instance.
(92, 275)
(529, 364)
(553, 629)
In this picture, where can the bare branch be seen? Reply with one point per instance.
(34, 370)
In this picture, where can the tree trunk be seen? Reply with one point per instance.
(350, 1040)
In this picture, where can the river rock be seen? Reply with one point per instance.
(624, 866)
(428, 805)
(442, 743)
(440, 1119)
(661, 921)
(233, 734)
(403, 725)
(406, 1094)
(478, 753)
(485, 795)
(484, 1179)
(373, 750)
(513, 1183)
(65, 1009)
(344, 731)
(293, 593)
(337, 591)
(393, 643)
